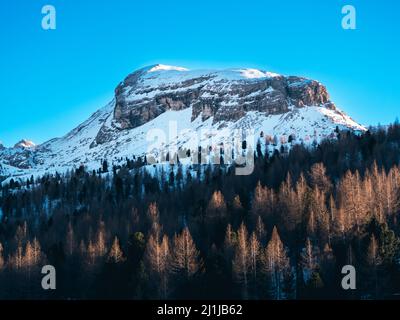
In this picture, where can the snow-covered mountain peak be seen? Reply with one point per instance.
(25, 143)
(205, 107)
(257, 74)
(163, 67)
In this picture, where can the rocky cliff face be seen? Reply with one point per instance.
(224, 95)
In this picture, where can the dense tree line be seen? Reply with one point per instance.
(200, 231)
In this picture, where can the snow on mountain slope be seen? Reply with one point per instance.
(185, 109)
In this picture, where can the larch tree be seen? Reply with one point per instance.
(186, 258)
(292, 201)
(254, 255)
(18, 258)
(216, 206)
(328, 264)
(2, 263)
(28, 259)
(374, 260)
(229, 243)
(37, 251)
(152, 212)
(379, 181)
(116, 255)
(319, 179)
(263, 201)
(166, 260)
(101, 248)
(276, 264)
(311, 224)
(320, 215)
(392, 192)
(352, 199)
(91, 252)
(237, 204)
(309, 260)
(70, 239)
(241, 262)
(21, 233)
(260, 230)
(154, 216)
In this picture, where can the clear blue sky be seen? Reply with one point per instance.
(50, 81)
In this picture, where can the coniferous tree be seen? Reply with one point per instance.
(276, 264)
(309, 260)
(116, 255)
(70, 239)
(242, 260)
(374, 261)
(186, 258)
(2, 263)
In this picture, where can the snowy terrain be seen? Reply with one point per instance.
(172, 129)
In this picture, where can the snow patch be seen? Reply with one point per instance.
(163, 67)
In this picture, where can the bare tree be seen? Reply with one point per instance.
(70, 240)
(276, 264)
(2, 263)
(309, 260)
(374, 260)
(186, 257)
(241, 262)
(260, 230)
(216, 206)
(254, 255)
(100, 246)
(116, 255)
(319, 179)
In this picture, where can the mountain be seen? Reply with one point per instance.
(185, 109)
(24, 144)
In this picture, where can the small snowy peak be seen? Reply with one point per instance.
(162, 74)
(256, 74)
(24, 143)
(163, 67)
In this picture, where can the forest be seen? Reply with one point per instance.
(202, 232)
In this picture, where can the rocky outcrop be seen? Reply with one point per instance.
(223, 95)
